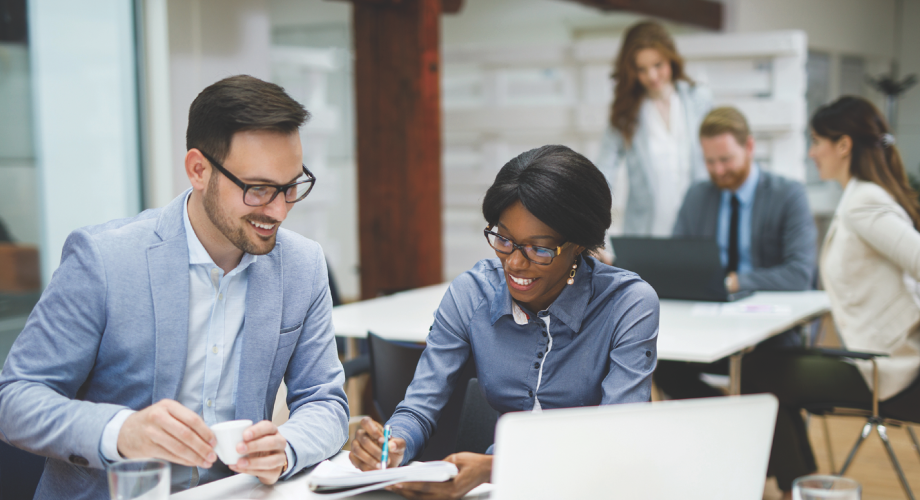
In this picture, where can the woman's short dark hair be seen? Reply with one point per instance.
(235, 104)
(558, 186)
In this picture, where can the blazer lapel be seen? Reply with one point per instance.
(691, 114)
(831, 231)
(261, 328)
(167, 265)
(758, 213)
(710, 215)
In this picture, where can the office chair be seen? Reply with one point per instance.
(477, 421)
(20, 472)
(901, 410)
(392, 368)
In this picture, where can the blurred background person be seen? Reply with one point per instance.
(869, 265)
(766, 235)
(656, 112)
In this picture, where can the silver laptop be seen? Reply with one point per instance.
(715, 448)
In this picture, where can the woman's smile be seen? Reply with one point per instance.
(522, 284)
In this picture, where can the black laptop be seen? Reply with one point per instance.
(679, 268)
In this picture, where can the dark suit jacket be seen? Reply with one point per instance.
(783, 234)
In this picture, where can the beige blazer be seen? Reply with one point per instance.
(870, 246)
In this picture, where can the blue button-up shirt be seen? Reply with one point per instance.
(604, 336)
(745, 195)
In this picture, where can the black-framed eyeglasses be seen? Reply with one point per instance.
(538, 255)
(257, 195)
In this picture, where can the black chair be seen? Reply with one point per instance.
(477, 421)
(357, 366)
(19, 473)
(392, 368)
(901, 410)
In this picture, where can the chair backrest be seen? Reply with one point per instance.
(333, 288)
(19, 473)
(392, 369)
(477, 421)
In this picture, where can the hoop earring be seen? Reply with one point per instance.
(571, 280)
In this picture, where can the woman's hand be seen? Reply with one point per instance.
(474, 469)
(367, 447)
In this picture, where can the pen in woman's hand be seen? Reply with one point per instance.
(385, 452)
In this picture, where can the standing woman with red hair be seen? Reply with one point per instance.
(654, 121)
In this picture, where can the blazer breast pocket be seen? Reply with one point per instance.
(289, 335)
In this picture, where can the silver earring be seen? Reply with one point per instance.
(571, 279)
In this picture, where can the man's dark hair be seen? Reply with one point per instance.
(558, 186)
(237, 104)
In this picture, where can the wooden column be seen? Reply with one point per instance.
(397, 89)
(705, 13)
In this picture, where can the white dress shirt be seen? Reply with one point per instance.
(217, 309)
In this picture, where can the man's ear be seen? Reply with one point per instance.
(198, 169)
(749, 146)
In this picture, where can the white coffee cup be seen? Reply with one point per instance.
(229, 434)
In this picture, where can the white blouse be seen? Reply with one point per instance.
(669, 166)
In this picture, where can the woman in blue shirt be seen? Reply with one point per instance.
(548, 325)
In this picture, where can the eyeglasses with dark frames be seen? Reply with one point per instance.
(257, 195)
(538, 255)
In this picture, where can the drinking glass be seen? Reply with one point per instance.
(141, 479)
(825, 488)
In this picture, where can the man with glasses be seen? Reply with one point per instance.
(157, 327)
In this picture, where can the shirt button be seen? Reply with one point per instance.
(648, 354)
(214, 349)
(530, 394)
(539, 354)
(544, 334)
(536, 365)
(220, 296)
(209, 403)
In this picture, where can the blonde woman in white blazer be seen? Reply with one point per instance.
(870, 265)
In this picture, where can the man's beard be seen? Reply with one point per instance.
(236, 233)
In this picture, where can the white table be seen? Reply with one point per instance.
(241, 486)
(700, 332)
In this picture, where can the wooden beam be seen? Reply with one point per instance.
(447, 6)
(397, 97)
(705, 13)
(451, 6)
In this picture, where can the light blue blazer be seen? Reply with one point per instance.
(111, 332)
(643, 188)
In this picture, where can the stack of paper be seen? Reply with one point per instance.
(340, 480)
(744, 309)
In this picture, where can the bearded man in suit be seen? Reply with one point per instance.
(764, 228)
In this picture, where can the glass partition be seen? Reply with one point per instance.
(20, 224)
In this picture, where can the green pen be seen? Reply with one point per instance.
(385, 454)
